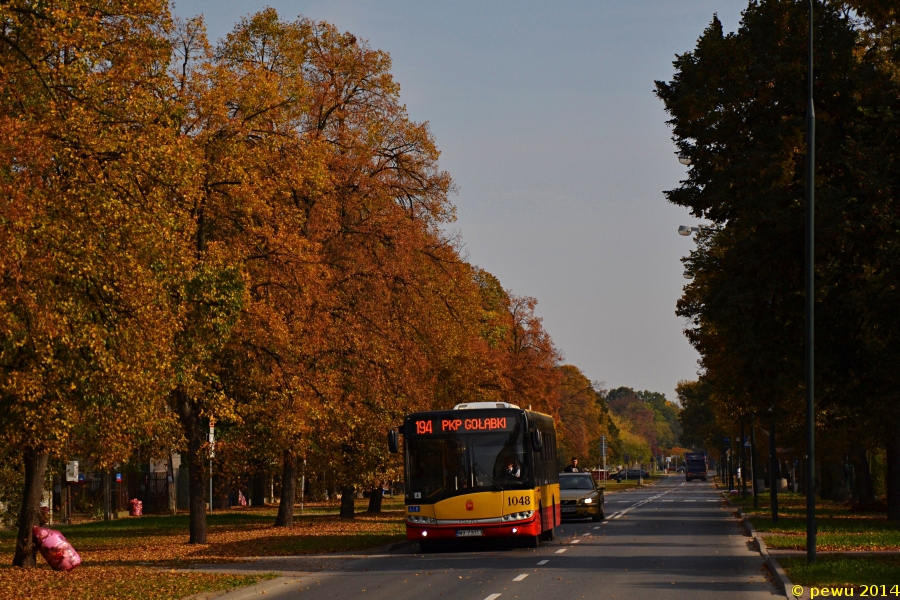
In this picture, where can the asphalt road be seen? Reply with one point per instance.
(672, 540)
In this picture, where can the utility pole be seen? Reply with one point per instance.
(303, 484)
(753, 473)
(810, 307)
(773, 469)
(743, 478)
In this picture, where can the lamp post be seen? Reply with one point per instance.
(810, 306)
(685, 229)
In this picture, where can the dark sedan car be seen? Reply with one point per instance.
(632, 474)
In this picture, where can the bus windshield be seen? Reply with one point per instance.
(451, 464)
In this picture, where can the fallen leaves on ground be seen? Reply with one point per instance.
(89, 582)
(137, 562)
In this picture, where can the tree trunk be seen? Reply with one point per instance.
(893, 470)
(107, 496)
(258, 493)
(836, 484)
(865, 487)
(197, 485)
(347, 508)
(375, 500)
(172, 487)
(285, 516)
(30, 513)
(222, 492)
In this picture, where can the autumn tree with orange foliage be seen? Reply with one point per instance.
(84, 331)
(251, 233)
(583, 417)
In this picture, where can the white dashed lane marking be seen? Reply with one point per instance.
(561, 550)
(521, 577)
(543, 562)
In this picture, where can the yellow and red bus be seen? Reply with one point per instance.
(480, 470)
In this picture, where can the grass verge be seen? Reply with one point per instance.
(838, 528)
(612, 486)
(839, 570)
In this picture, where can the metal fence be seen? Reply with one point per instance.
(86, 495)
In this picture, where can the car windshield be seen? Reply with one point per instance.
(447, 465)
(575, 482)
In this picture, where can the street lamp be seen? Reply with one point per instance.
(684, 159)
(685, 229)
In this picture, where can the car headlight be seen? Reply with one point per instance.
(588, 500)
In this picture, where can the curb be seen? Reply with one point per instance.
(263, 587)
(397, 546)
(782, 581)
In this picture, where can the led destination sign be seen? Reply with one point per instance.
(427, 426)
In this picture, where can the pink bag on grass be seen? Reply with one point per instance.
(56, 550)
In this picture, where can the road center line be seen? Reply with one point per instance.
(560, 551)
(492, 597)
(575, 541)
(521, 577)
(543, 562)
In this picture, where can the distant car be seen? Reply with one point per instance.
(580, 498)
(632, 474)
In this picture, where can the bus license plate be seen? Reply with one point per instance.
(568, 509)
(469, 532)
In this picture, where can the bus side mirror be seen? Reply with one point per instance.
(393, 441)
(536, 442)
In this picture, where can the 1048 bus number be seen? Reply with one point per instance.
(518, 501)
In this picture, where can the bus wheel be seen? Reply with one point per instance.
(533, 541)
(550, 534)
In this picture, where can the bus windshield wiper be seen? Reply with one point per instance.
(477, 466)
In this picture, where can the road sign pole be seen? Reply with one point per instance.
(212, 453)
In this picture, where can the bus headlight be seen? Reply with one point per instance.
(423, 520)
(518, 516)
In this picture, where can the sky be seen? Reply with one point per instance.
(545, 116)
